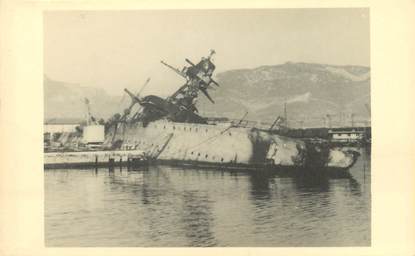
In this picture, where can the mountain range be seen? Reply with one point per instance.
(308, 94)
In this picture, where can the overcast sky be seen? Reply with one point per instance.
(117, 49)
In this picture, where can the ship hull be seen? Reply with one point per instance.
(223, 145)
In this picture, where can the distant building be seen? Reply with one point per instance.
(54, 126)
(346, 135)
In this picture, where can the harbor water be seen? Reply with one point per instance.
(162, 206)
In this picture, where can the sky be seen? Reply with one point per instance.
(114, 50)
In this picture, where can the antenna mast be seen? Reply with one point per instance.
(285, 113)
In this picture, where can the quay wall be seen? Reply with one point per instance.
(90, 158)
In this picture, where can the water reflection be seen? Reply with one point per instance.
(166, 206)
(197, 218)
(260, 184)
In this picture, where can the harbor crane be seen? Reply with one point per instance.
(90, 119)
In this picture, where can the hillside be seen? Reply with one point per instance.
(311, 92)
(66, 100)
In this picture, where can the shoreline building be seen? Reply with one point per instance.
(60, 125)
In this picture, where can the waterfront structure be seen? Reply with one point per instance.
(59, 126)
(346, 135)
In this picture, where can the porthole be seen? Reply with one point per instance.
(191, 153)
(198, 154)
(206, 156)
(230, 134)
(221, 159)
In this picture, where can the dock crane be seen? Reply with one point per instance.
(90, 119)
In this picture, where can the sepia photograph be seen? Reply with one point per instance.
(207, 128)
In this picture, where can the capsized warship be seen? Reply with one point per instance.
(170, 130)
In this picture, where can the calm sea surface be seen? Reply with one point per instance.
(171, 206)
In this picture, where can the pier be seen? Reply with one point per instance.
(94, 159)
